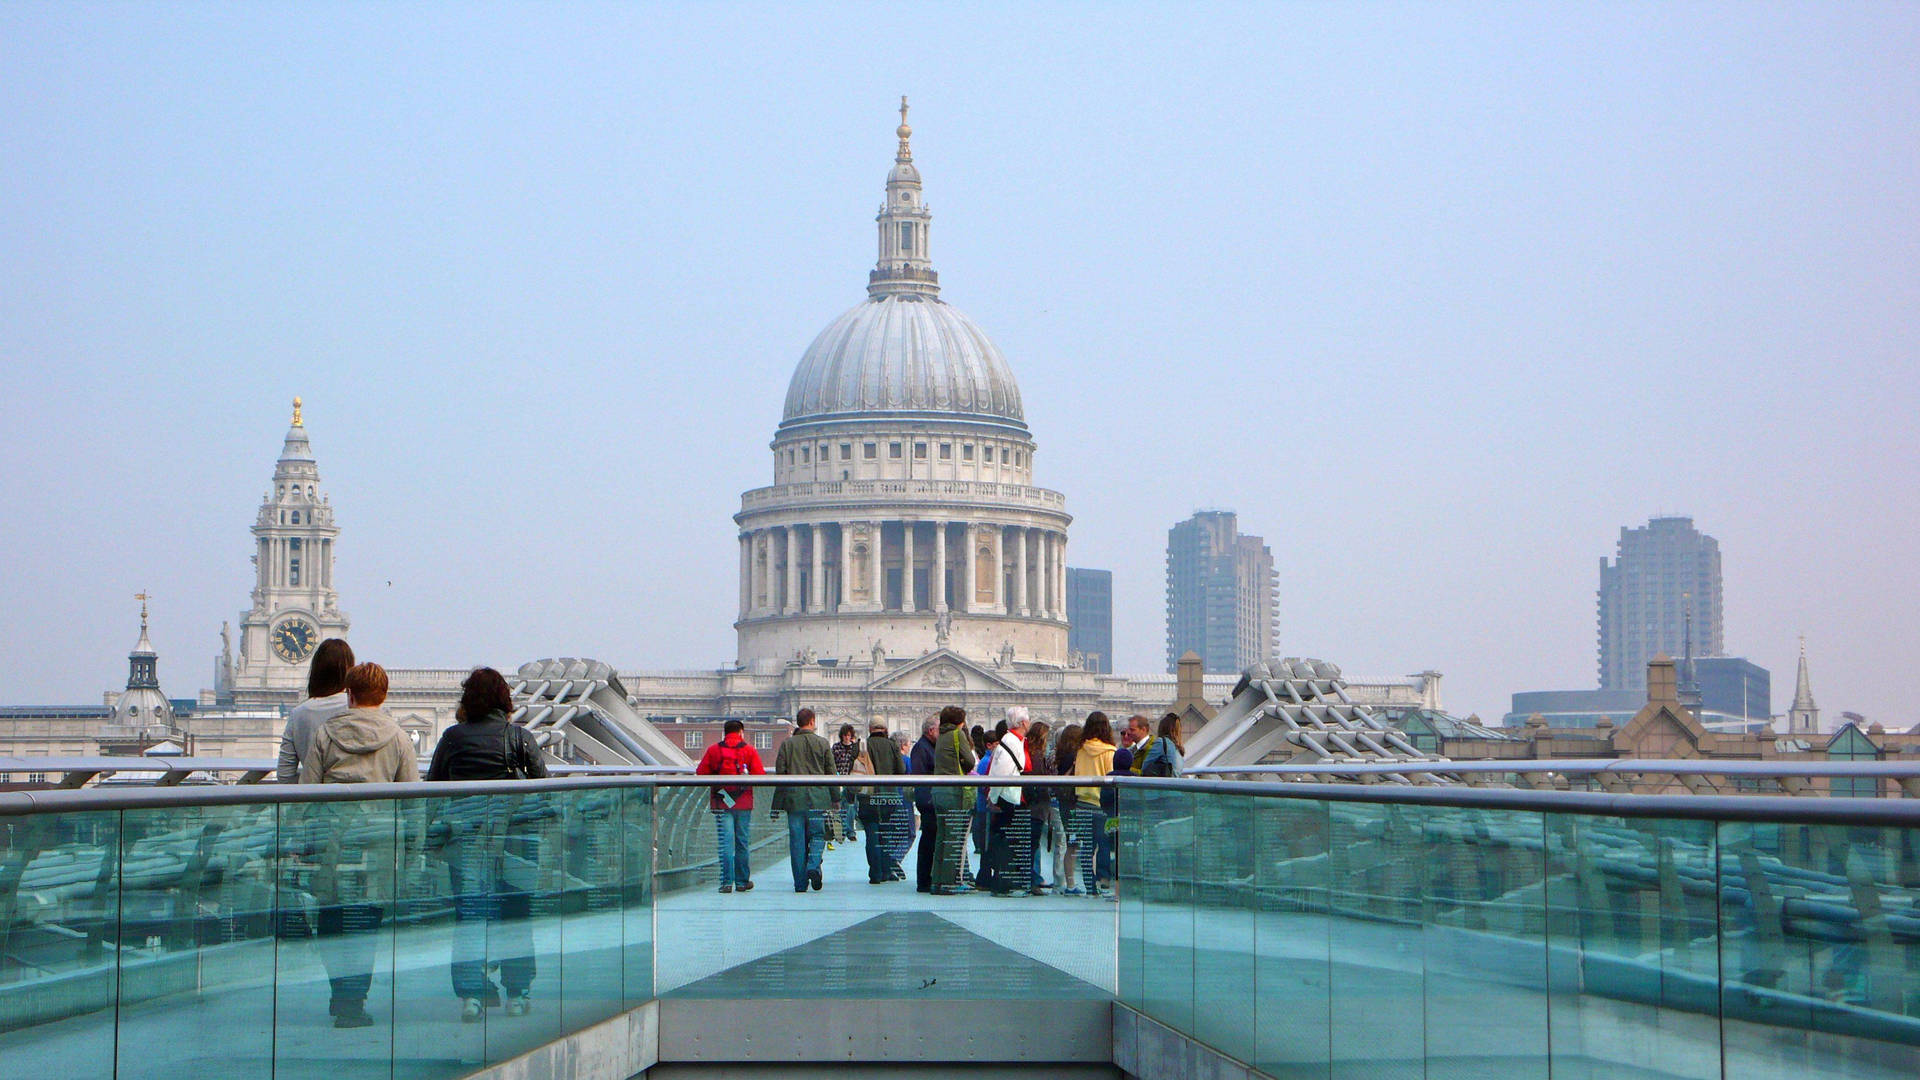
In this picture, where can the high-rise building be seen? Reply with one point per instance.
(1222, 594)
(1090, 617)
(1662, 570)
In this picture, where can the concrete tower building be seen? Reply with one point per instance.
(902, 515)
(295, 606)
(1223, 596)
(1660, 570)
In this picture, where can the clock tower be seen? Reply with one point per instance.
(294, 603)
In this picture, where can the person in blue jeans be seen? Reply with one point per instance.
(805, 753)
(732, 806)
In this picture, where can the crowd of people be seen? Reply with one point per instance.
(998, 838)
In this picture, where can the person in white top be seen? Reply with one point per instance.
(1009, 759)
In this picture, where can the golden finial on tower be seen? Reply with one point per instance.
(296, 413)
(143, 598)
(905, 132)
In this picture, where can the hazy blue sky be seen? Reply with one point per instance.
(1437, 297)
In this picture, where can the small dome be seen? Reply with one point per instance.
(896, 354)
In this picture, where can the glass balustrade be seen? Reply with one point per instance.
(431, 935)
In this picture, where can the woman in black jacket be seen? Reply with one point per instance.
(492, 858)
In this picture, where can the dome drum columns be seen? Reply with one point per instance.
(906, 566)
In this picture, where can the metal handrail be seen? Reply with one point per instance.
(1895, 813)
(1580, 766)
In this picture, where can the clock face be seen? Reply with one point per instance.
(294, 640)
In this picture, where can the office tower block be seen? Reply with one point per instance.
(1222, 593)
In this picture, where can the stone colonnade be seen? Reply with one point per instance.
(906, 566)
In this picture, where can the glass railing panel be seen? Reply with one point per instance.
(431, 1037)
(1292, 1025)
(590, 872)
(636, 894)
(196, 941)
(1635, 947)
(1223, 852)
(59, 943)
(1485, 945)
(1820, 948)
(335, 905)
(521, 883)
(1158, 866)
(1131, 825)
(1376, 879)
(701, 931)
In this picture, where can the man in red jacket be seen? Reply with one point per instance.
(732, 806)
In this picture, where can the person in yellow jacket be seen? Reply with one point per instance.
(1095, 759)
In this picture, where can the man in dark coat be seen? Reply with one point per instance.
(805, 754)
(921, 764)
(880, 808)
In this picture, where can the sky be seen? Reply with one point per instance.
(1436, 297)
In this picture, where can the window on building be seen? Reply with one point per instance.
(906, 238)
(806, 455)
(966, 452)
(946, 451)
(763, 740)
(846, 451)
(693, 740)
(789, 457)
(920, 450)
(893, 450)
(870, 451)
(823, 452)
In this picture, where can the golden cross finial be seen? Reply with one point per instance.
(905, 132)
(296, 413)
(143, 598)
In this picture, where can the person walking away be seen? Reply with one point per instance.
(880, 809)
(953, 756)
(326, 699)
(1067, 877)
(491, 914)
(846, 750)
(920, 762)
(1044, 817)
(806, 807)
(1095, 758)
(1009, 760)
(732, 806)
(362, 745)
(1166, 753)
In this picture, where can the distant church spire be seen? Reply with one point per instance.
(904, 267)
(1689, 684)
(1804, 716)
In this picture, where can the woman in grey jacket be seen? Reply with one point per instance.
(326, 699)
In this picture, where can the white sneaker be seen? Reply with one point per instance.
(471, 1011)
(519, 1005)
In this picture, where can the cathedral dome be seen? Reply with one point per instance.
(903, 353)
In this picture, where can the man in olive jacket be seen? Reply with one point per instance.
(805, 754)
(952, 806)
(880, 810)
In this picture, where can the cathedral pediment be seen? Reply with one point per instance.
(943, 670)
